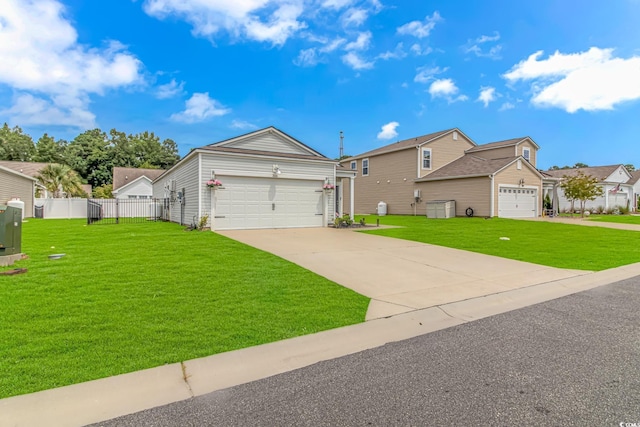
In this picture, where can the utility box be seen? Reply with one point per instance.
(10, 230)
(441, 209)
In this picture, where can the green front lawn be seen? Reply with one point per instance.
(552, 244)
(620, 219)
(133, 296)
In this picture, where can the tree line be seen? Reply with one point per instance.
(629, 167)
(92, 154)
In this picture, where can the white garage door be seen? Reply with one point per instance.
(268, 203)
(517, 202)
(618, 199)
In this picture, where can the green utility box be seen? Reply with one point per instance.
(10, 230)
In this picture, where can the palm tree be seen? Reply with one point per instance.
(59, 179)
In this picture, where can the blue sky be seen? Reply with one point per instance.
(565, 73)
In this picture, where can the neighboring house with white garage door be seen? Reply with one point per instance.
(267, 178)
(494, 179)
(615, 181)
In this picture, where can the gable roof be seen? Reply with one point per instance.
(500, 144)
(270, 129)
(31, 169)
(124, 176)
(635, 176)
(408, 143)
(599, 172)
(469, 166)
(216, 148)
(13, 172)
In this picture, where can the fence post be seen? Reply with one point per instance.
(117, 212)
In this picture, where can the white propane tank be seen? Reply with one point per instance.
(382, 209)
(17, 203)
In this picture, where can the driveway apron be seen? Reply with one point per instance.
(398, 275)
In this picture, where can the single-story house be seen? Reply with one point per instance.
(17, 185)
(494, 179)
(614, 180)
(134, 183)
(635, 181)
(33, 169)
(267, 179)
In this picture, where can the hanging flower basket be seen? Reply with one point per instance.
(214, 183)
(328, 187)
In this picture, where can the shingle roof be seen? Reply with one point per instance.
(26, 168)
(635, 176)
(123, 176)
(497, 144)
(402, 145)
(600, 172)
(469, 165)
(263, 153)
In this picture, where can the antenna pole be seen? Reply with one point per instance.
(341, 145)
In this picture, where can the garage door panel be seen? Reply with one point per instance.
(268, 203)
(516, 202)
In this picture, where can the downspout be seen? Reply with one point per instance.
(199, 185)
(492, 195)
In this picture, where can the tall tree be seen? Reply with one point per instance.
(48, 150)
(580, 187)
(90, 155)
(15, 145)
(61, 180)
(630, 168)
(580, 165)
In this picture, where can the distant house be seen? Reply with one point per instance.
(635, 181)
(33, 169)
(17, 185)
(616, 182)
(134, 183)
(495, 179)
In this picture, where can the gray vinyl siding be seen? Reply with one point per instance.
(227, 165)
(186, 176)
(12, 185)
(268, 142)
(472, 193)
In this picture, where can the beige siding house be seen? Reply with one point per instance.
(495, 179)
(16, 185)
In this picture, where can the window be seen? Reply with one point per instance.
(526, 153)
(426, 158)
(354, 165)
(365, 167)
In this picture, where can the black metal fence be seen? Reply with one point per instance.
(119, 211)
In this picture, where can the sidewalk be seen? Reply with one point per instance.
(103, 399)
(583, 221)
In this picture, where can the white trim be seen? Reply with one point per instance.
(200, 184)
(493, 201)
(527, 150)
(270, 129)
(368, 166)
(17, 173)
(261, 156)
(422, 151)
(353, 165)
(258, 174)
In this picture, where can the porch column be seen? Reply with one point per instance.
(351, 193)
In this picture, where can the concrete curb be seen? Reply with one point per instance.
(103, 399)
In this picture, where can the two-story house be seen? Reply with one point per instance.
(495, 179)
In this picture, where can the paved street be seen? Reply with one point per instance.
(570, 361)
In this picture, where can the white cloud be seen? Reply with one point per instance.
(397, 53)
(354, 17)
(170, 90)
(420, 29)
(426, 74)
(336, 4)
(592, 80)
(333, 45)
(361, 43)
(506, 106)
(418, 50)
(476, 46)
(43, 63)
(353, 60)
(200, 107)
(271, 21)
(447, 89)
(388, 131)
(487, 95)
(307, 58)
(242, 125)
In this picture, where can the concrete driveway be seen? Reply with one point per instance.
(398, 275)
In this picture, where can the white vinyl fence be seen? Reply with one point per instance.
(62, 208)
